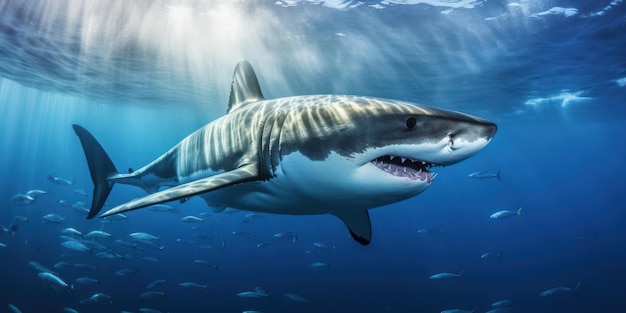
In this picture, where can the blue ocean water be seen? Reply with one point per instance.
(143, 75)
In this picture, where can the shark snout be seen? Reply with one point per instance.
(489, 130)
(471, 133)
(467, 140)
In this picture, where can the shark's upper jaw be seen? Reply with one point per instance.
(411, 162)
(405, 167)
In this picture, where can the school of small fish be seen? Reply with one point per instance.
(500, 306)
(103, 245)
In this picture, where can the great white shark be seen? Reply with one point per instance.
(318, 154)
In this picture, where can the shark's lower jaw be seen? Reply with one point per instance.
(405, 167)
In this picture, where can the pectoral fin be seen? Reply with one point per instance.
(359, 225)
(240, 175)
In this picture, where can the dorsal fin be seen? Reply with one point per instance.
(245, 86)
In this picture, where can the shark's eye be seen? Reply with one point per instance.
(410, 122)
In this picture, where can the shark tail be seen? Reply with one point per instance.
(498, 175)
(519, 211)
(100, 166)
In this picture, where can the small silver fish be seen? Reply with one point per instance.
(150, 259)
(76, 246)
(126, 272)
(98, 234)
(80, 192)
(445, 275)
(86, 266)
(36, 193)
(430, 231)
(257, 293)
(322, 245)
(153, 294)
(157, 283)
(483, 175)
(242, 234)
(53, 218)
(204, 263)
(502, 303)
(97, 297)
(491, 255)
(251, 294)
(559, 291)
(71, 232)
(60, 181)
(65, 203)
(295, 297)
(144, 236)
(61, 265)
(505, 213)
(22, 199)
(288, 235)
(264, 244)
(192, 219)
(86, 280)
(192, 285)
(40, 268)
(55, 281)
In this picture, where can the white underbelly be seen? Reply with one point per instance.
(303, 186)
(281, 194)
(273, 196)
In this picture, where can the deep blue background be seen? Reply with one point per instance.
(551, 83)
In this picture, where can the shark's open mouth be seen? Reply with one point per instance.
(405, 167)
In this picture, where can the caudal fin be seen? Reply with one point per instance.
(100, 166)
(498, 175)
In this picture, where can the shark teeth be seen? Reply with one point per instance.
(405, 167)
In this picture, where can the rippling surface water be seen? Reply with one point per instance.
(142, 75)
